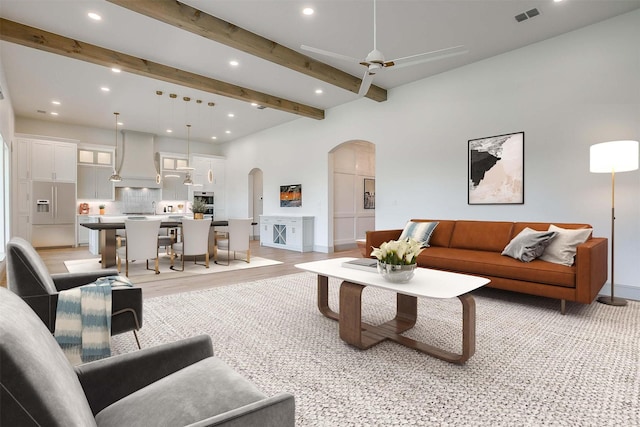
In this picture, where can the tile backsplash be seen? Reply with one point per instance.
(137, 200)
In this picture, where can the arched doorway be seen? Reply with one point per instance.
(255, 199)
(352, 170)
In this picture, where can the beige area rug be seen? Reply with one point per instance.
(532, 366)
(139, 274)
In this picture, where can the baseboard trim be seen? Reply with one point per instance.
(622, 291)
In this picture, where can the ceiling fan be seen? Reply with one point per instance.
(375, 59)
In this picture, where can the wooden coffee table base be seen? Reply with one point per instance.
(362, 335)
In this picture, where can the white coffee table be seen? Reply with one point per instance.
(426, 283)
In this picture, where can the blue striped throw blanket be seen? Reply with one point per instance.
(83, 320)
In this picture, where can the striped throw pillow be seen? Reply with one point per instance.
(418, 231)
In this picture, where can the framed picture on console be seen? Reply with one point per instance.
(496, 170)
(291, 196)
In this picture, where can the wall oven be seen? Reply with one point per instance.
(208, 200)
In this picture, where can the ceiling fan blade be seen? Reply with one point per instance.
(327, 53)
(366, 83)
(426, 57)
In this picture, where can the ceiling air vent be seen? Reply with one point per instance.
(528, 14)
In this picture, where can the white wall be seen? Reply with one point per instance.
(566, 94)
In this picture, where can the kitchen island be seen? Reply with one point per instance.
(108, 236)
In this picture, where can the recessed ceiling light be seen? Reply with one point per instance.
(53, 113)
(227, 131)
(105, 89)
(308, 11)
(318, 91)
(55, 102)
(169, 131)
(214, 137)
(231, 115)
(254, 104)
(94, 16)
(234, 63)
(120, 123)
(116, 70)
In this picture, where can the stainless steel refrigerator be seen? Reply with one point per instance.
(53, 214)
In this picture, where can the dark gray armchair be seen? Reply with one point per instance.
(175, 384)
(28, 277)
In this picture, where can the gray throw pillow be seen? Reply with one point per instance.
(528, 244)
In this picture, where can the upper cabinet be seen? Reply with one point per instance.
(173, 177)
(53, 161)
(95, 166)
(209, 172)
(98, 157)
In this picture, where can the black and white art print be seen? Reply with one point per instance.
(496, 170)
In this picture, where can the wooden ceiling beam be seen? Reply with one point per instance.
(39, 39)
(198, 22)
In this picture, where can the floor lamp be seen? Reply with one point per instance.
(611, 157)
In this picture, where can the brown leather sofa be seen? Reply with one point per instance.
(474, 247)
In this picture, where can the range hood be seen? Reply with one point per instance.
(138, 166)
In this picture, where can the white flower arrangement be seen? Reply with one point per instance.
(398, 252)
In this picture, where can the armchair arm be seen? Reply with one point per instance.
(591, 261)
(64, 281)
(108, 380)
(275, 411)
(378, 237)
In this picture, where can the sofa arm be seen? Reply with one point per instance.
(592, 268)
(108, 380)
(275, 411)
(377, 237)
(64, 281)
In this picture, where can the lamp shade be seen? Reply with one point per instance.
(614, 156)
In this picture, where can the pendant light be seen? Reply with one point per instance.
(156, 157)
(116, 174)
(187, 178)
(187, 167)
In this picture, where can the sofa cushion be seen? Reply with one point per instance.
(199, 391)
(492, 264)
(420, 231)
(529, 244)
(562, 250)
(481, 235)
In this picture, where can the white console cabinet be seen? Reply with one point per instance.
(287, 232)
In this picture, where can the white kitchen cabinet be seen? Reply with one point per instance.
(173, 178)
(294, 233)
(95, 166)
(82, 234)
(173, 187)
(53, 161)
(24, 159)
(22, 202)
(93, 182)
(209, 168)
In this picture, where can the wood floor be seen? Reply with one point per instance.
(54, 260)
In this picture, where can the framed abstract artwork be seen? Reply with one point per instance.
(291, 196)
(369, 193)
(496, 170)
